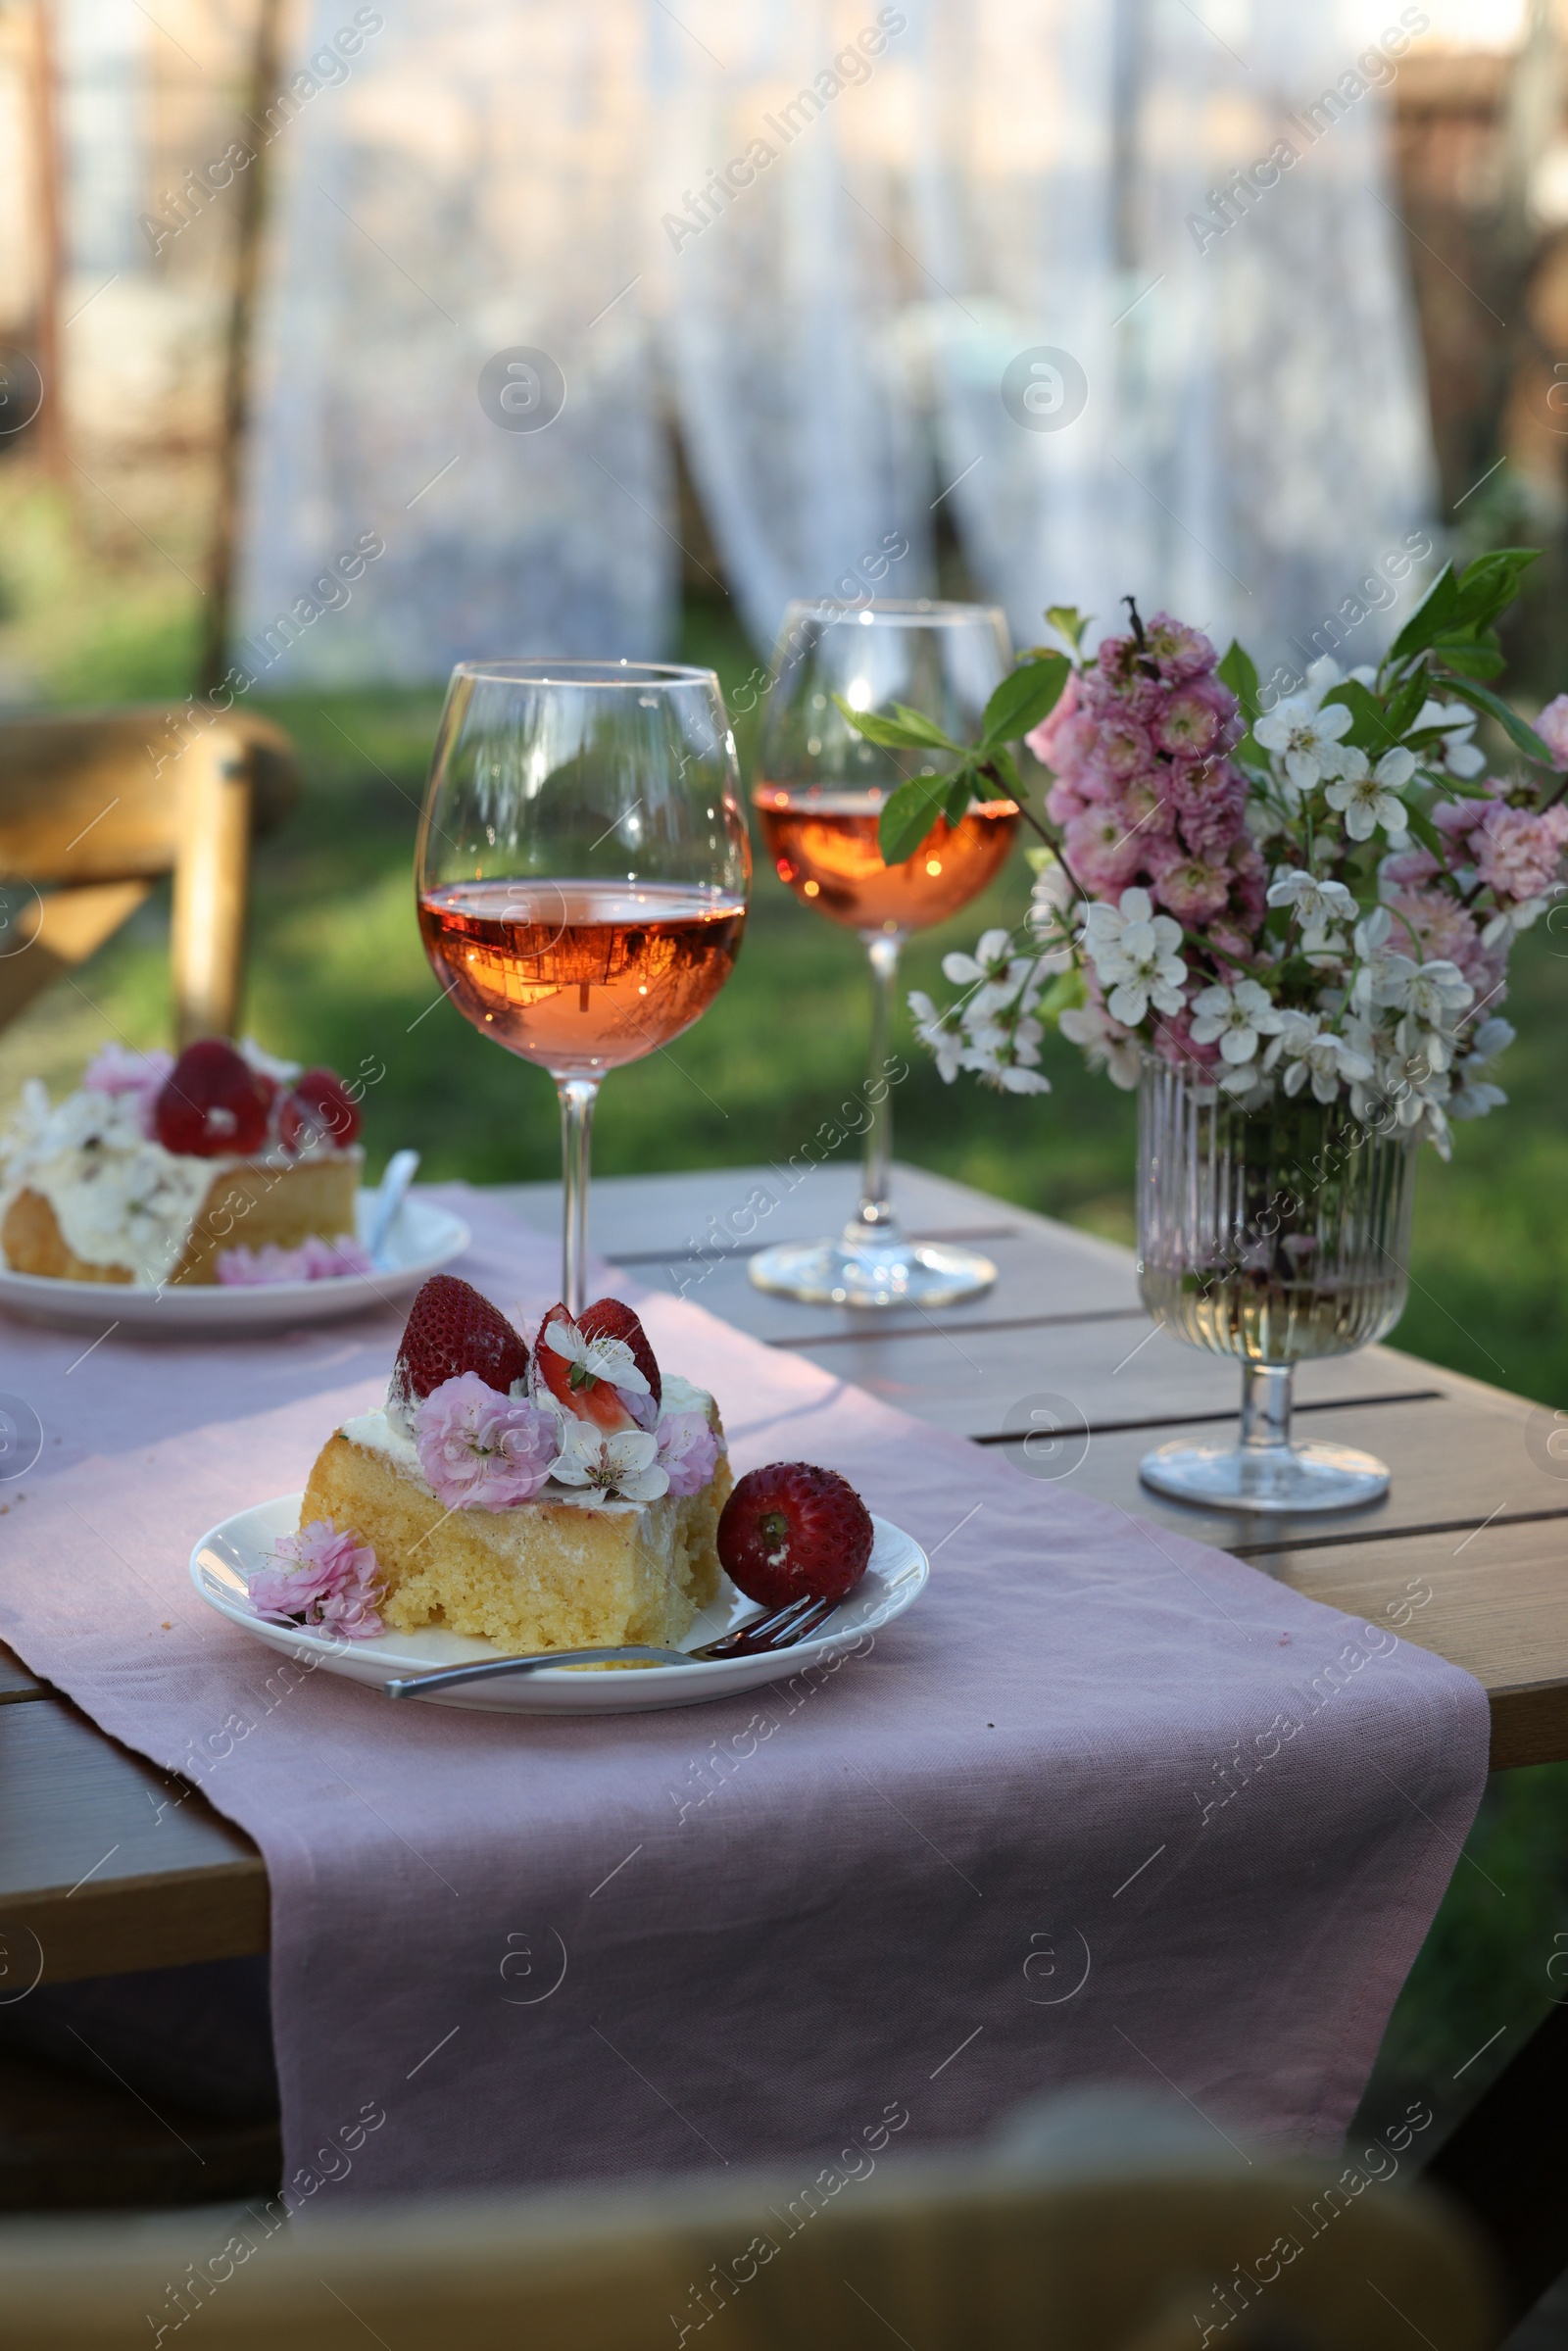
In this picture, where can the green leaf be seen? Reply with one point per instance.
(1240, 673)
(908, 731)
(1490, 583)
(907, 816)
(1068, 622)
(1466, 658)
(1406, 705)
(1434, 611)
(1425, 831)
(1371, 732)
(1480, 698)
(1024, 696)
(925, 730)
(961, 791)
(1000, 765)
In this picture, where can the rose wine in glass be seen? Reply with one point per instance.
(818, 799)
(582, 874)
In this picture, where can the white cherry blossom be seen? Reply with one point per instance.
(620, 1465)
(941, 1032)
(1315, 902)
(1316, 1055)
(994, 971)
(1134, 953)
(1458, 754)
(608, 1359)
(1106, 1044)
(1238, 1017)
(1306, 738)
(1368, 797)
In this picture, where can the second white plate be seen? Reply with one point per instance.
(225, 1561)
(423, 1238)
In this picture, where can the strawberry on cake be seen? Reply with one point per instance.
(225, 1165)
(563, 1496)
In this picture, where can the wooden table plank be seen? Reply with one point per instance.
(14, 1680)
(91, 1868)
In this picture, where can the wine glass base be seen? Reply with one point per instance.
(1309, 1475)
(893, 1272)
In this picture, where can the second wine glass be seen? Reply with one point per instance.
(818, 797)
(582, 874)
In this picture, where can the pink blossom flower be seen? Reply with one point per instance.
(314, 1260)
(115, 1069)
(1101, 851)
(1173, 1042)
(1064, 801)
(322, 1578)
(1194, 721)
(1409, 867)
(1181, 651)
(1121, 748)
(1211, 797)
(1518, 854)
(1552, 728)
(688, 1451)
(1148, 804)
(1190, 887)
(1432, 927)
(481, 1450)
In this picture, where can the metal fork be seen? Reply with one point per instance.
(773, 1628)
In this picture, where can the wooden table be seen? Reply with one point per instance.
(1465, 1555)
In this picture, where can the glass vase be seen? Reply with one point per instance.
(1274, 1234)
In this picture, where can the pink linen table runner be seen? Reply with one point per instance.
(1104, 1804)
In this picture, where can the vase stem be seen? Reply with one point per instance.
(1266, 1406)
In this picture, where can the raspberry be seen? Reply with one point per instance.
(317, 1110)
(451, 1329)
(793, 1532)
(213, 1103)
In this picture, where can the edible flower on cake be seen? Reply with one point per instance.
(560, 1496)
(160, 1171)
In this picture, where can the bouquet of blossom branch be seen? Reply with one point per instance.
(1317, 897)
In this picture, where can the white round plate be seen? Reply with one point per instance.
(423, 1238)
(223, 1561)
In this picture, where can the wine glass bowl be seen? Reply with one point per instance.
(582, 873)
(818, 797)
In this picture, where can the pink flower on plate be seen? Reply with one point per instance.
(115, 1069)
(314, 1260)
(688, 1451)
(323, 1578)
(481, 1450)
(1552, 728)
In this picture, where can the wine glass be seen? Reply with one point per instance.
(818, 797)
(582, 874)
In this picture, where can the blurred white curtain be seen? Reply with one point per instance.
(913, 198)
(468, 183)
(1255, 437)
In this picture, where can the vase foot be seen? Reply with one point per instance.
(1266, 1478)
(894, 1272)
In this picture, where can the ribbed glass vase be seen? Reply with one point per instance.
(1273, 1234)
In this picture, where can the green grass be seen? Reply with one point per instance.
(338, 975)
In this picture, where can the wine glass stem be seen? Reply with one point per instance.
(1266, 1406)
(874, 1219)
(577, 1099)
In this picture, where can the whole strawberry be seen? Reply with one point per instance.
(214, 1105)
(451, 1329)
(317, 1110)
(791, 1532)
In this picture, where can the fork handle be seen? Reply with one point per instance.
(448, 1677)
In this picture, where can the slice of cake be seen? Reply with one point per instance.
(160, 1171)
(563, 1499)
